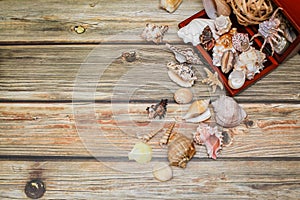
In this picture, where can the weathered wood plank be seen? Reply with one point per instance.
(200, 180)
(110, 130)
(53, 21)
(43, 73)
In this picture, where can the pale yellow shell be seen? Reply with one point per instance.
(141, 153)
(196, 108)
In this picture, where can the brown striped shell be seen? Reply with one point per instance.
(180, 150)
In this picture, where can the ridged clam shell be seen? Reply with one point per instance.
(170, 5)
(236, 79)
(201, 118)
(196, 108)
(228, 112)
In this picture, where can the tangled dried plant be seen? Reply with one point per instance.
(251, 12)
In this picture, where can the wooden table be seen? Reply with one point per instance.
(71, 109)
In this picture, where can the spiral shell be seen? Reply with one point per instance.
(180, 150)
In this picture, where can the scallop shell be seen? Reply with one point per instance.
(192, 31)
(170, 5)
(162, 172)
(215, 8)
(141, 153)
(201, 118)
(180, 150)
(181, 74)
(154, 33)
(228, 112)
(186, 55)
(223, 24)
(236, 79)
(210, 137)
(241, 42)
(183, 96)
(196, 108)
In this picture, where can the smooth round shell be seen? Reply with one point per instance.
(162, 172)
(183, 96)
(236, 79)
(141, 153)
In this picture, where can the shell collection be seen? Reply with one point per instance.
(154, 33)
(181, 74)
(210, 137)
(158, 109)
(170, 5)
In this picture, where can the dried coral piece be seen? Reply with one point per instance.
(154, 33)
(228, 112)
(165, 139)
(212, 80)
(159, 109)
(170, 5)
(210, 137)
(206, 39)
(181, 74)
(186, 55)
(162, 172)
(180, 150)
(141, 153)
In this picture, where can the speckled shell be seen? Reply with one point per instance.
(186, 55)
(240, 42)
(180, 150)
(228, 112)
(181, 74)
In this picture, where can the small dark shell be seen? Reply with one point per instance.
(180, 151)
(206, 39)
(159, 109)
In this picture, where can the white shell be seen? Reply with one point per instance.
(236, 79)
(181, 74)
(196, 108)
(186, 55)
(183, 96)
(154, 33)
(228, 112)
(201, 118)
(162, 172)
(223, 24)
(192, 31)
(141, 153)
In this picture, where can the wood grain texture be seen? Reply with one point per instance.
(50, 73)
(110, 130)
(200, 180)
(52, 21)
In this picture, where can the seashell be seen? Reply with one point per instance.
(241, 42)
(206, 39)
(181, 74)
(223, 44)
(210, 137)
(212, 80)
(141, 153)
(227, 61)
(129, 56)
(148, 137)
(154, 33)
(223, 24)
(196, 108)
(170, 5)
(192, 31)
(201, 118)
(236, 79)
(186, 55)
(251, 62)
(180, 150)
(228, 112)
(159, 109)
(162, 172)
(165, 139)
(215, 8)
(183, 96)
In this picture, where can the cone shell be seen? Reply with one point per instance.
(196, 108)
(228, 112)
(170, 5)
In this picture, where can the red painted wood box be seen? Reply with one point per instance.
(291, 11)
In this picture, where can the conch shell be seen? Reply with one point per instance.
(180, 150)
(192, 31)
(170, 5)
(228, 112)
(183, 75)
(186, 55)
(198, 111)
(210, 137)
(215, 8)
(141, 153)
